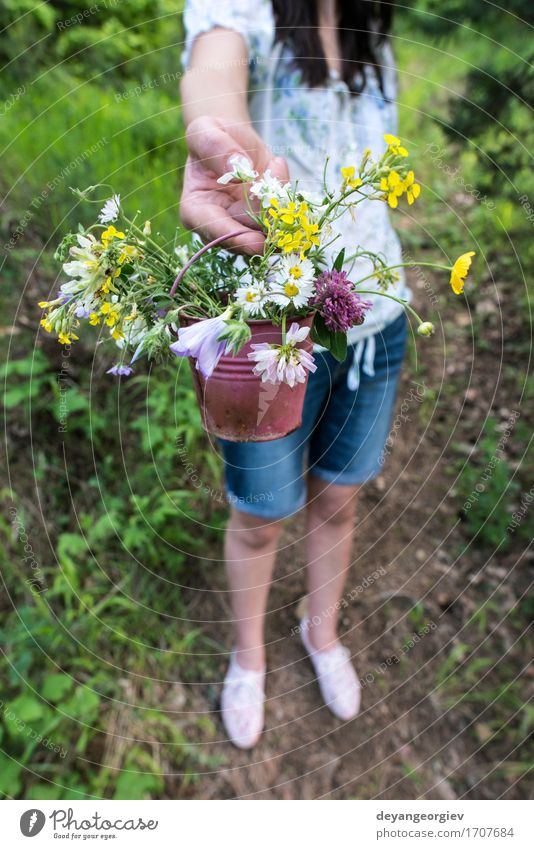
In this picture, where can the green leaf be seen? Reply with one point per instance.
(71, 545)
(10, 771)
(76, 791)
(26, 708)
(335, 342)
(338, 346)
(18, 395)
(27, 367)
(339, 260)
(102, 529)
(44, 791)
(83, 704)
(56, 686)
(136, 785)
(320, 333)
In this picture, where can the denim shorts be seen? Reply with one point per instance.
(345, 424)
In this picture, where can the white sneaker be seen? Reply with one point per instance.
(336, 676)
(242, 703)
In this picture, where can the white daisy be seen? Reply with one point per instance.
(294, 281)
(252, 298)
(110, 210)
(241, 170)
(269, 187)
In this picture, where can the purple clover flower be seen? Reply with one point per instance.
(337, 302)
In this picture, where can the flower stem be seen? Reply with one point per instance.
(401, 301)
(146, 238)
(404, 265)
(200, 252)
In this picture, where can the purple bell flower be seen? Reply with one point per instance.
(200, 340)
(120, 370)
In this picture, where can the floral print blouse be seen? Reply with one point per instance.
(305, 124)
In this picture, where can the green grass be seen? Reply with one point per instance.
(74, 133)
(107, 603)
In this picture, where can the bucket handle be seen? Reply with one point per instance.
(200, 252)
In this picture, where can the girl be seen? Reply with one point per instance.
(287, 83)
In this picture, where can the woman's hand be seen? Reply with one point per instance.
(212, 209)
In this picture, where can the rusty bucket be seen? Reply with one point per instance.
(234, 402)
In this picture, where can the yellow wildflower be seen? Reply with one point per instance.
(460, 271)
(105, 308)
(117, 334)
(112, 318)
(94, 319)
(394, 145)
(66, 339)
(412, 189)
(127, 252)
(132, 315)
(290, 228)
(393, 187)
(47, 325)
(110, 234)
(349, 179)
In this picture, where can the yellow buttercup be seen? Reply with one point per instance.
(459, 272)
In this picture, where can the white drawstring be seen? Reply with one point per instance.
(369, 356)
(368, 367)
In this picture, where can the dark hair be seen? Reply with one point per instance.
(363, 27)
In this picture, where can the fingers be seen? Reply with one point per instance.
(278, 168)
(212, 146)
(211, 221)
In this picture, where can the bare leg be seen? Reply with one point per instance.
(330, 521)
(250, 550)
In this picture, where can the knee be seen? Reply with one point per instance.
(255, 533)
(335, 508)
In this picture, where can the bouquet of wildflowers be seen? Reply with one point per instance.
(123, 282)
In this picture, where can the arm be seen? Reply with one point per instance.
(214, 95)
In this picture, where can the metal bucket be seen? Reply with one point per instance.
(234, 402)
